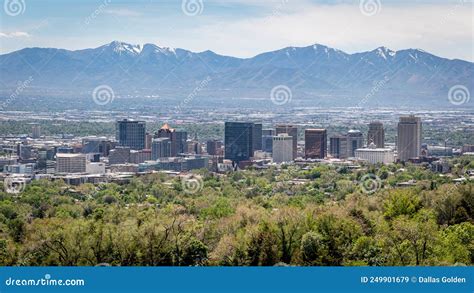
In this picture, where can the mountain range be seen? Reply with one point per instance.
(312, 69)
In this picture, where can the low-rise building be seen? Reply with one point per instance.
(70, 163)
(375, 155)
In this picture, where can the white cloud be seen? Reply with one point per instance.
(445, 30)
(15, 35)
(123, 12)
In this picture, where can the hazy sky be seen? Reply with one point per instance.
(242, 28)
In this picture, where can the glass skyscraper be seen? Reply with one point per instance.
(238, 141)
(131, 134)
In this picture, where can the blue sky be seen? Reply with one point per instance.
(243, 28)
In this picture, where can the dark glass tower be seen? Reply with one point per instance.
(257, 137)
(315, 143)
(376, 134)
(238, 141)
(131, 134)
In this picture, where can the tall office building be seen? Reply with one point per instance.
(35, 130)
(24, 151)
(97, 145)
(292, 131)
(213, 147)
(409, 137)
(119, 155)
(315, 143)
(267, 143)
(267, 140)
(282, 148)
(70, 163)
(148, 140)
(193, 147)
(376, 134)
(181, 137)
(160, 148)
(131, 134)
(177, 138)
(238, 141)
(338, 146)
(257, 137)
(355, 140)
(268, 132)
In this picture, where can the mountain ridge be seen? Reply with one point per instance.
(309, 69)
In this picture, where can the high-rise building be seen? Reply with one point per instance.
(213, 147)
(181, 138)
(376, 134)
(267, 143)
(267, 140)
(119, 155)
(257, 137)
(35, 130)
(315, 143)
(71, 163)
(409, 137)
(338, 146)
(268, 132)
(148, 140)
(131, 134)
(238, 141)
(24, 151)
(282, 148)
(355, 140)
(292, 131)
(97, 145)
(177, 138)
(194, 147)
(160, 148)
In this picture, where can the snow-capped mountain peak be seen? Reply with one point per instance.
(385, 52)
(125, 48)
